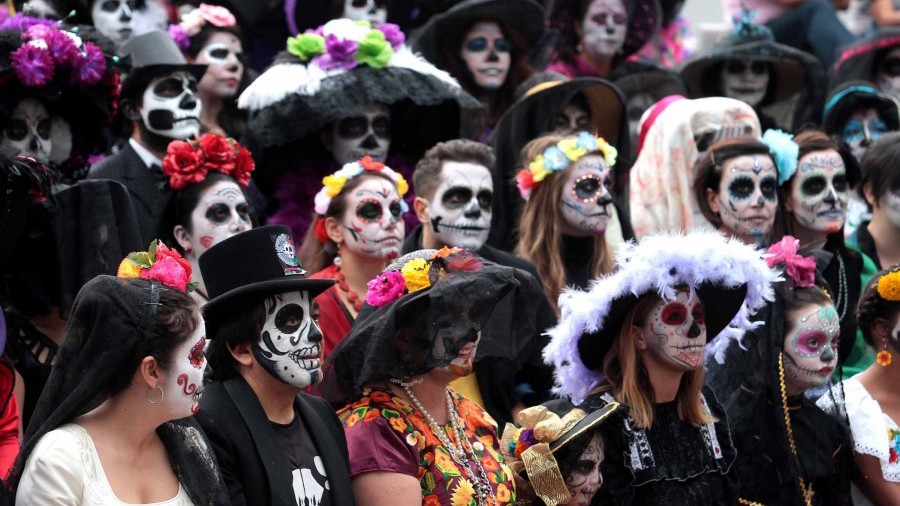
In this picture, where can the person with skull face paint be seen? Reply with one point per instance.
(274, 443)
(122, 20)
(373, 11)
(358, 230)
(637, 337)
(160, 99)
(789, 450)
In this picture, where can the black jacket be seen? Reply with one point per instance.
(253, 466)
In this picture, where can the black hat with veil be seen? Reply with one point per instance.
(111, 321)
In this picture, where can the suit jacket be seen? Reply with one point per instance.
(254, 468)
(147, 188)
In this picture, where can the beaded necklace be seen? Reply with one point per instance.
(352, 296)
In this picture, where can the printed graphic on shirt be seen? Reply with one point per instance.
(310, 485)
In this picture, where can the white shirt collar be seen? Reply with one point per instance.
(147, 157)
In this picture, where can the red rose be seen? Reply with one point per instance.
(217, 149)
(243, 166)
(163, 251)
(169, 272)
(183, 165)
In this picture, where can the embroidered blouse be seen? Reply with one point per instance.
(385, 433)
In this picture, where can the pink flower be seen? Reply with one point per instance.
(393, 35)
(168, 272)
(33, 65)
(38, 32)
(339, 54)
(802, 270)
(217, 15)
(181, 37)
(385, 288)
(163, 252)
(61, 47)
(89, 67)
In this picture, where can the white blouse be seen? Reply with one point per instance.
(64, 470)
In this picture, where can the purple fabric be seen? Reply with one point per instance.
(375, 446)
(2, 330)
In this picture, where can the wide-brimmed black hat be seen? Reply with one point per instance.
(858, 61)
(643, 78)
(253, 264)
(153, 54)
(847, 99)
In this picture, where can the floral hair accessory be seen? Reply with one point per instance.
(159, 263)
(188, 162)
(334, 184)
(216, 15)
(416, 274)
(344, 44)
(889, 286)
(558, 157)
(801, 270)
(47, 49)
(784, 151)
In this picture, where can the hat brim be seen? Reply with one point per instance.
(243, 294)
(144, 74)
(589, 423)
(720, 304)
(657, 83)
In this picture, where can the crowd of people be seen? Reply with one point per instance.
(460, 253)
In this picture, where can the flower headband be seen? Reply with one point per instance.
(188, 162)
(414, 275)
(47, 49)
(159, 263)
(801, 270)
(192, 22)
(558, 157)
(345, 44)
(334, 184)
(785, 153)
(889, 286)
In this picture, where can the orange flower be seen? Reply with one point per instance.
(427, 459)
(444, 463)
(503, 493)
(883, 358)
(399, 424)
(379, 396)
(489, 463)
(431, 500)
(371, 414)
(352, 420)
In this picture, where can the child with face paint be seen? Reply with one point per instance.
(566, 184)
(114, 421)
(637, 337)
(358, 230)
(274, 443)
(789, 450)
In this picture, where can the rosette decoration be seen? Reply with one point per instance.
(159, 263)
(193, 21)
(47, 49)
(415, 274)
(558, 158)
(800, 269)
(188, 162)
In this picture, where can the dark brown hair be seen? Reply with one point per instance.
(879, 167)
(709, 170)
(873, 306)
(427, 175)
(233, 328)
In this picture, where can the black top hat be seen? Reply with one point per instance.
(152, 54)
(253, 264)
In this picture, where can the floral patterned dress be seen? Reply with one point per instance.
(384, 433)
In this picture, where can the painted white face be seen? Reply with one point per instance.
(28, 131)
(571, 120)
(171, 106)
(585, 479)
(892, 202)
(222, 212)
(372, 223)
(290, 345)
(604, 28)
(811, 349)
(113, 18)
(585, 199)
(820, 192)
(185, 381)
(747, 197)
(460, 211)
(675, 332)
(888, 75)
(222, 54)
(367, 134)
(486, 52)
(373, 11)
(863, 127)
(746, 80)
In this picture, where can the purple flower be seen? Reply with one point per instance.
(339, 54)
(393, 35)
(62, 48)
(181, 37)
(23, 23)
(90, 66)
(33, 65)
(38, 32)
(528, 438)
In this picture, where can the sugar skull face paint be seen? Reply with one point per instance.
(820, 192)
(185, 381)
(746, 80)
(863, 127)
(811, 349)
(372, 222)
(585, 479)
(675, 332)
(373, 11)
(222, 212)
(604, 27)
(585, 199)
(113, 18)
(28, 131)
(171, 106)
(486, 53)
(290, 344)
(460, 210)
(354, 137)
(888, 75)
(747, 198)
(223, 54)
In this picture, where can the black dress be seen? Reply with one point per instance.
(672, 462)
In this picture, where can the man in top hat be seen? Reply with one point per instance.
(275, 444)
(160, 99)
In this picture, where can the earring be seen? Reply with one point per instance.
(188, 251)
(162, 395)
(337, 256)
(884, 356)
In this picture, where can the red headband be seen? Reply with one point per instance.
(655, 110)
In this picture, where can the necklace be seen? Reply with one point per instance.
(352, 296)
(457, 452)
(841, 299)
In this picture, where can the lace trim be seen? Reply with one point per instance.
(870, 428)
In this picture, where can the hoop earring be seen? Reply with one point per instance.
(884, 357)
(162, 395)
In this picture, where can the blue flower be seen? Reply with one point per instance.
(784, 151)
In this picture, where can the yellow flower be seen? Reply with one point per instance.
(538, 171)
(610, 153)
(463, 494)
(128, 269)
(889, 286)
(571, 148)
(334, 184)
(415, 274)
(402, 185)
(503, 493)
(883, 358)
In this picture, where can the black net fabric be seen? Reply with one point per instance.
(423, 330)
(110, 320)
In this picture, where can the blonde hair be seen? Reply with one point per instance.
(540, 234)
(628, 380)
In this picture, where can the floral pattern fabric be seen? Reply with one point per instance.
(444, 482)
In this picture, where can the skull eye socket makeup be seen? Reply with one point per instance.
(113, 5)
(220, 213)
(480, 44)
(853, 130)
(358, 126)
(698, 314)
(396, 209)
(675, 313)
(485, 199)
(618, 18)
(810, 343)
(587, 188)
(813, 185)
(454, 198)
(17, 129)
(219, 53)
(840, 182)
(742, 187)
(757, 67)
(369, 210)
(289, 318)
(769, 188)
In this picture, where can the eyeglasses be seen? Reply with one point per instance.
(757, 67)
(618, 18)
(479, 44)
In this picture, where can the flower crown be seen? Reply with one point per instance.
(334, 184)
(801, 270)
(159, 263)
(415, 275)
(889, 286)
(192, 22)
(558, 157)
(47, 49)
(345, 44)
(785, 152)
(188, 162)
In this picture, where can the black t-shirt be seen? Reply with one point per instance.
(311, 487)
